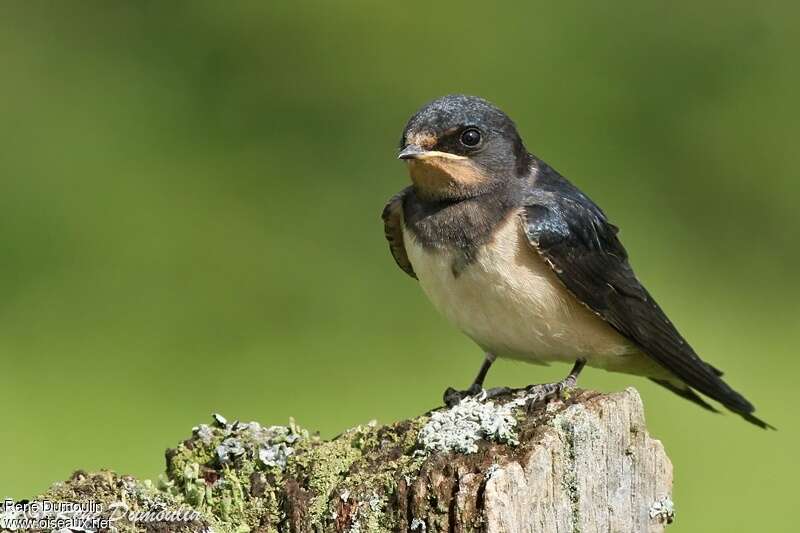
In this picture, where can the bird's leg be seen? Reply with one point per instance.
(545, 391)
(453, 397)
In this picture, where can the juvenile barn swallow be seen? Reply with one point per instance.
(524, 263)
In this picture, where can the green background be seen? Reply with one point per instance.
(189, 217)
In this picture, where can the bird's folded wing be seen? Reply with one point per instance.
(573, 236)
(393, 228)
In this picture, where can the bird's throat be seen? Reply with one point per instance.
(444, 178)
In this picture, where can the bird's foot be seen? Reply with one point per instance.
(453, 397)
(544, 392)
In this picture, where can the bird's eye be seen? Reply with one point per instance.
(470, 137)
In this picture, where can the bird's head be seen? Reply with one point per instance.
(460, 146)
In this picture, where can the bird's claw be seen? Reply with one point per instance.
(453, 397)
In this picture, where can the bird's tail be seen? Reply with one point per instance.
(732, 399)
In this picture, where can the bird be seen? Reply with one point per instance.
(527, 265)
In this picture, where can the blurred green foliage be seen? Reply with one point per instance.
(189, 217)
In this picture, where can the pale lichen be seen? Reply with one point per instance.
(418, 525)
(491, 471)
(462, 426)
(663, 510)
(365, 516)
(232, 470)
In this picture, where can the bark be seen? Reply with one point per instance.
(582, 464)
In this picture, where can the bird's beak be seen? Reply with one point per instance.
(411, 151)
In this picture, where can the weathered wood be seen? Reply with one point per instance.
(584, 464)
(594, 468)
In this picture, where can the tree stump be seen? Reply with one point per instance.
(585, 464)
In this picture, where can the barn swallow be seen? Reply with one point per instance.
(524, 263)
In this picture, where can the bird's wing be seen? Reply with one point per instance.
(393, 228)
(574, 237)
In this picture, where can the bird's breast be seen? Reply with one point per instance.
(506, 298)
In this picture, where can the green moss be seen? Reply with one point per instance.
(109, 489)
(236, 475)
(576, 439)
(324, 464)
(233, 472)
(388, 457)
